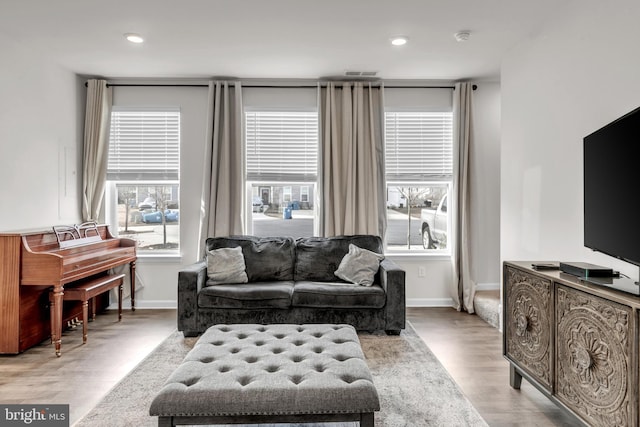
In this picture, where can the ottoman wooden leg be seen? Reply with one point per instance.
(165, 421)
(366, 419)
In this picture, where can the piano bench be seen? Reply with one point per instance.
(85, 290)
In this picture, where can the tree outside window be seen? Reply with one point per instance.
(411, 211)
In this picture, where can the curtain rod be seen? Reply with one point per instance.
(474, 87)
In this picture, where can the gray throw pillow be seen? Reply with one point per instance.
(226, 265)
(359, 266)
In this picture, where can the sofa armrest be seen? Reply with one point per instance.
(190, 281)
(392, 280)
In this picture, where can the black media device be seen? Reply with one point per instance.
(611, 179)
(545, 266)
(583, 269)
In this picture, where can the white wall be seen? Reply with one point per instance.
(40, 141)
(484, 176)
(578, 74)
(432, 289)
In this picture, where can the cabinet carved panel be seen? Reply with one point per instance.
(594, 358)
(528, 323)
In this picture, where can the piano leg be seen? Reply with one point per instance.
(56, 317)
(132, 274)
(85, 320)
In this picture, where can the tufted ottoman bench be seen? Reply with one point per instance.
(270, 374)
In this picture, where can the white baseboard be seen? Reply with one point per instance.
(144, 305)
(487, 286)
(448, 302)
(429, 302)
(166, 304)
(170, 304)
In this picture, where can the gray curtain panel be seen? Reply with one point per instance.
(223, 183)
(96, 147)
(463, 287)
(352, 182)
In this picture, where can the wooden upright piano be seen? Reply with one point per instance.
(32, 263)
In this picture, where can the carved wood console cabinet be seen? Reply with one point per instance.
(575, 342)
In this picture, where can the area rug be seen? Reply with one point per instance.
(414, 388)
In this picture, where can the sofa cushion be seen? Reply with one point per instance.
(359, 266)
(265, 258)
(337, 295)
(317, 258)
(247, 295)
(226, 265)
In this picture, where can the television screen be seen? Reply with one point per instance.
(611, 184)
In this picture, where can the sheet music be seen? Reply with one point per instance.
(76, 235)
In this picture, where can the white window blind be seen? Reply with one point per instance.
(419, 146)
(281, 145)
(144, 145)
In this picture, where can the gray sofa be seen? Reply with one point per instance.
(292, 281)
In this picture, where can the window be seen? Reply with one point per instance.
(419, 172)
(286, 193)
(143, 176)
(304, 193)
(281, 158)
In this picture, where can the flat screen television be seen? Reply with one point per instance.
(612, 189)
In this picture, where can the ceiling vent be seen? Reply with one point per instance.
(360, 73)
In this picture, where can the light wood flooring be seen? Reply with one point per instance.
(84, 373)
(471, 351)
(469, 348)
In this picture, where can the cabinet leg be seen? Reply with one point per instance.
(515, 379)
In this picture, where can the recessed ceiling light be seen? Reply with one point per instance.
(399, 40)
(134, 38)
